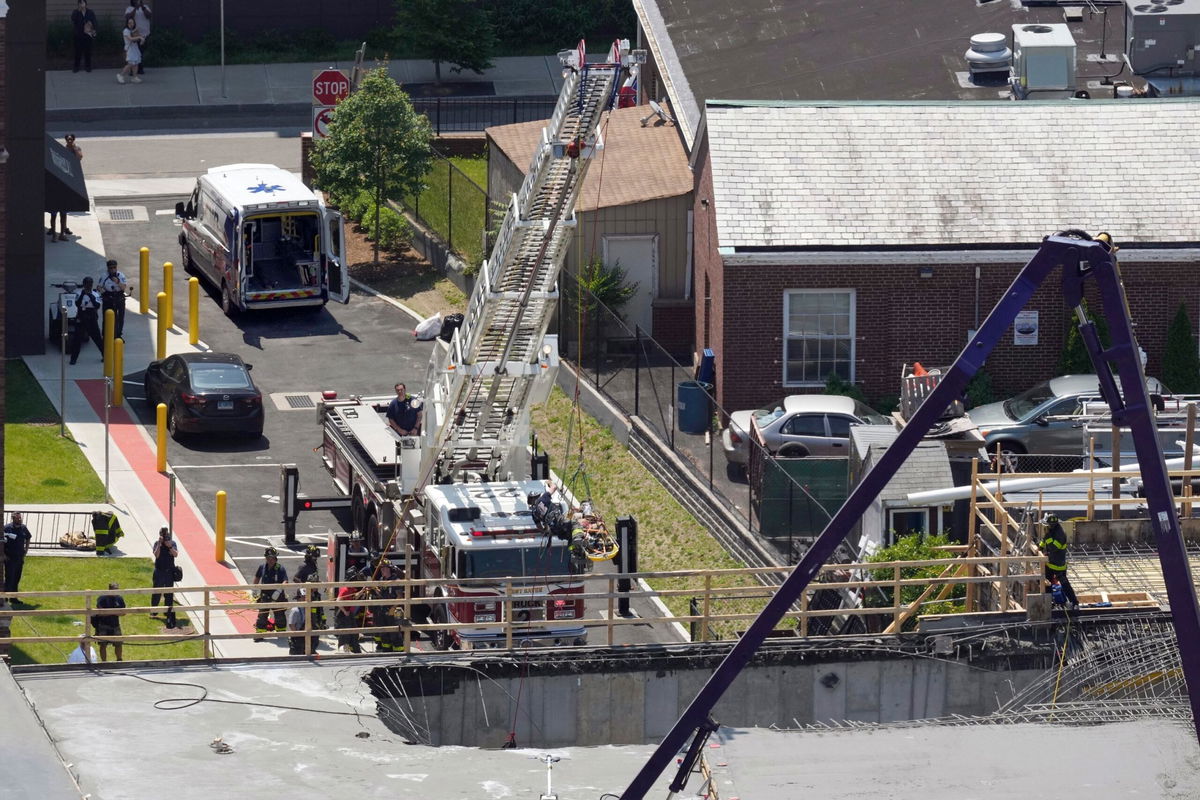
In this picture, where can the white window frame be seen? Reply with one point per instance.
(787, 299)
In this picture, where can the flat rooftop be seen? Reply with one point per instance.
(303, 731)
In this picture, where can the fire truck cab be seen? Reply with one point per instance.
(484, 535)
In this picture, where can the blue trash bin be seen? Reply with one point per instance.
(692, 406)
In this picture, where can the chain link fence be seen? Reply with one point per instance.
(454, 207)
(794, 499)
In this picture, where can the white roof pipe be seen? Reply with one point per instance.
(935, 497)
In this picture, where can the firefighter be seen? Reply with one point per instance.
(270, 573)
(1054, 545)
(309, 572)
(384, 617)
(348, 616)
(107, 529)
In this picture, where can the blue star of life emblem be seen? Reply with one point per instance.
(262, 187)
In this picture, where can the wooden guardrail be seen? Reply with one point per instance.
(708, 586)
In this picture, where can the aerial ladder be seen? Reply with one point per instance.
(479, 389)
(1082, 258)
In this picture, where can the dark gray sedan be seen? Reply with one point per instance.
(206, 393)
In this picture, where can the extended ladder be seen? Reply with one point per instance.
(479, 389)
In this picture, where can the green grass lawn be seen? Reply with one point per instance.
(39, 465)
(461, 225)
(49, 574)
(669, 538)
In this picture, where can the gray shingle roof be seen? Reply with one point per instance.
(803, 175)
(926, 468)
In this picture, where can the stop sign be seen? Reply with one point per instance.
(330, 86)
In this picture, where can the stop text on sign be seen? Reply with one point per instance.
(329, 87)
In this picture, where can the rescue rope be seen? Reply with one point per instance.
(1062, 659)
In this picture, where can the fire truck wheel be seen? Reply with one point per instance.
(371, 533)
(358, 511)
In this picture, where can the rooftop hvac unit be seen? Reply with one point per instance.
(989, 53)
(1043, 61)
(1163, 36)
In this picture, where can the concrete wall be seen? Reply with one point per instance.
(638, 707)
(1126, 531)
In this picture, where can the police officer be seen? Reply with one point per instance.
(1054, 545)
(87, 303)
(112, 294)
(270, 573)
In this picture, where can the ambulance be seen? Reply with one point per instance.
(263, 239)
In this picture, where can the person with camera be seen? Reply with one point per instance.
(270, 573)
(165, 573)
(113, 287)
(87, 305)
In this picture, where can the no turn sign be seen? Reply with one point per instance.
(329, 87)
(321, 118)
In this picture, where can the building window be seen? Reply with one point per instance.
(818, 336)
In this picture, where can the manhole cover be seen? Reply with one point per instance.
(122, 214)
(300, 401)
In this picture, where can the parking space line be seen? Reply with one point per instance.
(220, 466)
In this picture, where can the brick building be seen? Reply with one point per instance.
(852, 238)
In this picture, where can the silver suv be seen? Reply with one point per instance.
(1047, 419)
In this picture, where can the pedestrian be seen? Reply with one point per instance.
(165, 552)
(109, 624)
(270, 573)
(83, 20)
(141, 15)
(63, 230)
(1054, 545)
(87, 311)
(404, 413)
(113, 288)
(133, 51)
(16, 546)
(83, 653)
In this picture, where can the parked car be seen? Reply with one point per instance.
(798, 425)
(1047, 419)
(206, 393)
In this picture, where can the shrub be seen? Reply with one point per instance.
(979, 390)
(1075, 359)
(916, 547)
(1181, 361)
(607, 286)
(394, 230)
(835, 384)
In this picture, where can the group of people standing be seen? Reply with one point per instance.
(90, 302)
(135, 35)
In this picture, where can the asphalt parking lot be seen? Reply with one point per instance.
(360, 348)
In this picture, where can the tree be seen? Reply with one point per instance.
(1075, 359)
(1181, 361)
(457, 32)
(914, 547)
(377, 141)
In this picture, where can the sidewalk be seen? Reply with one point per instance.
(139, 493)
(268, 88)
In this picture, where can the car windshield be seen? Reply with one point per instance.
(869, 415)
(212, 377)
(764, 415)
(518, 562)
(1019, 407)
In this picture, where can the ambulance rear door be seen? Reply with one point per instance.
(337, 273)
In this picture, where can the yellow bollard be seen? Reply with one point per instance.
(162, 324)
(194, 312)
(169, 288)
(110, 326)
(220, 524)
(144, 280)
(161, 419)
(118, 376)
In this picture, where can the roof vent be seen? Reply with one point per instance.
(1037, 29)
(989, 53)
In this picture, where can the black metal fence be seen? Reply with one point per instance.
(453, 206)
(465, 114)
(787, 504)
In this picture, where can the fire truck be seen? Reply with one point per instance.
(454, 502)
